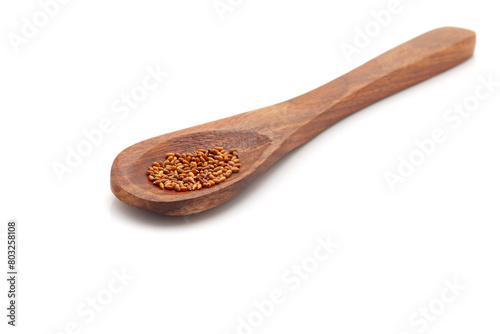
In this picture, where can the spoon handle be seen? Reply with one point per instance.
(401, 67)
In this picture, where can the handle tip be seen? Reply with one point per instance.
(463, 39)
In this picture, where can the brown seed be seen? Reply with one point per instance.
(194, 170)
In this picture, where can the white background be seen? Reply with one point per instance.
(199, 274)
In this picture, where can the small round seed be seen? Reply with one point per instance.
(194, 170)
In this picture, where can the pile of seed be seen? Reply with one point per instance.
(193, 171)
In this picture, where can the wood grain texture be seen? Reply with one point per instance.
(265, 135)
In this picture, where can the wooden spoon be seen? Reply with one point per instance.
(265, 135)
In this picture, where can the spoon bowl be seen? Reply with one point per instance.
(137, 189)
